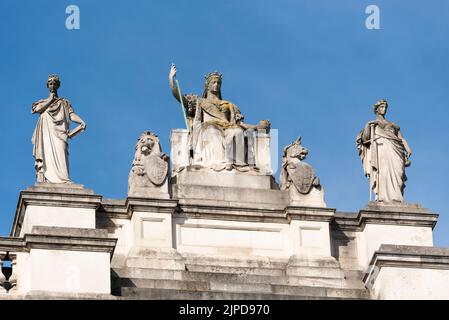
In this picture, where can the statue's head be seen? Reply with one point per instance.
(213, 84)
(380, 107)
(148, 143)
(296, 150)
(53, 83)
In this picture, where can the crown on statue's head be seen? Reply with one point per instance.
(212, 75)
(53, 76)
(381, 102)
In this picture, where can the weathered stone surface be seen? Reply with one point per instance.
(226, 194)
(45, 295)
(409, 272)
(304, 293)
(223, 179)
(70, 188)
(216, 277)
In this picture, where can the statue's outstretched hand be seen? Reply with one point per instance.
(264, 124)
(172, 73)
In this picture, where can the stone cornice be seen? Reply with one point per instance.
(309, 213)
(69, 243)
(150, 205)
(9, 244)
(405, 215)
(113, 208)
(233, 213)
(53, 197)
(400, 256)
(57, 238)
(387, 215)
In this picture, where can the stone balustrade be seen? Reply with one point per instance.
(9, 247)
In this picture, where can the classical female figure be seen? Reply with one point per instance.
(385, 154)
(51, 134)
(219, 138)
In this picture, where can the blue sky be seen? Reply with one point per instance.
(311, 67)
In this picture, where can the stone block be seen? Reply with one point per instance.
(399, 272)
(54, 205)
(219, 237)
(226, 195)
(152, 229)
(223, 179)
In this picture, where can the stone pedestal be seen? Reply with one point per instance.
(63, 252)
(179, 154)
(65, 260)
(53, 205)
(233, 179)
(151, 222)
(160, 192)
(399, 225)
(263, 152)
(309, 230)
(409, 272)
(180, 157)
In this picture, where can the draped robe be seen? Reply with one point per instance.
(384, 162)
(215, 128)
(50, 140)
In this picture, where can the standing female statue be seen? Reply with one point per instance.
(217, 130)
(385, 154)
(51, 134)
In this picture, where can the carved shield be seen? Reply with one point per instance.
(302, 175)
(156, 169)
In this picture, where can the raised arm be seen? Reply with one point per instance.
(173, 86)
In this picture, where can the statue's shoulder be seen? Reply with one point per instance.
(66, 103)
(191, 97)
(395, 125)
(64, 100)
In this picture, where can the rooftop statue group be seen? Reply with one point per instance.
(219, 139)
